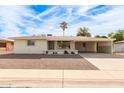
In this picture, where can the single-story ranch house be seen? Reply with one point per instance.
(61, 44)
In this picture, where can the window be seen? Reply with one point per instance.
(63, 45)
(84, 44)
(2, 44)
(30, 42)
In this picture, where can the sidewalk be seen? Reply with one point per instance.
(60, 78)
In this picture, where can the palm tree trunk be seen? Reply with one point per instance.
(63, 33)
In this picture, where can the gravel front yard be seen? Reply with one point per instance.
(38, 61)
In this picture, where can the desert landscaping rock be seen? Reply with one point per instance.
(68, 62)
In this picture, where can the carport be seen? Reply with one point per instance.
(104, 47)
(94, 46)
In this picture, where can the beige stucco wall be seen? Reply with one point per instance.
(20, 47)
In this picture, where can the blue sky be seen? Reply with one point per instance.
(46, 19)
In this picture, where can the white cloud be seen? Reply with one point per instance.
(102, 24)
(12, 16)
(47, 12)
(83, 9)
(108, 22)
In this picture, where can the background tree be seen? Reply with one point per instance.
(63, 25)
(118, 35)
(98, 36)
(111, 34)
(83, 32)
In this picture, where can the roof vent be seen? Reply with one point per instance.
(49, 34)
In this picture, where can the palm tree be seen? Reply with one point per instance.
(84, 32)
(64, 25)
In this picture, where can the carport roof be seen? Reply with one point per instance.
(6, 40)
(62, 38)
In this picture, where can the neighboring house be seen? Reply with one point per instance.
(6, 45)
(119, 46)
(60, 44)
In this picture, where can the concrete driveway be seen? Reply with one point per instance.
(105, 61)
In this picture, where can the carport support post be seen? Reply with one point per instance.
(55, 45)
(6, 46)
(112, 47)
(72, 45)
(95, 47)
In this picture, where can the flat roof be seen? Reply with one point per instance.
(62, 38)
(118, 42)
